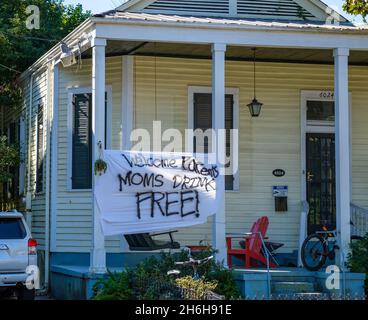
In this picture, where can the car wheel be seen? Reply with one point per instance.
(25, 294)
(7, 293)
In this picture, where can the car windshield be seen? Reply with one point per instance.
(12, 228)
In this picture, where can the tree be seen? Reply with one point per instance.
(9, 156)
(356, 7)
(20, 46)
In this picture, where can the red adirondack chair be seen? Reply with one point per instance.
(253, 245)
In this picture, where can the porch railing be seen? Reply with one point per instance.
(11, 204)
(359, 220)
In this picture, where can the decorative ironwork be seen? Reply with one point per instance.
(321, 192)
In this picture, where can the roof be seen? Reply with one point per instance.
(203, 21)
(314, 10)
(115, 16)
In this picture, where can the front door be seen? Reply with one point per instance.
(320, 165)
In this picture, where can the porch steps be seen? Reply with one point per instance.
(292, 287)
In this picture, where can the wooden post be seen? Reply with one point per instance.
(98, 252)
(218, 145)
(342, 143)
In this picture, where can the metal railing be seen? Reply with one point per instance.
(267, 255)
(359, 220)
(10, 204)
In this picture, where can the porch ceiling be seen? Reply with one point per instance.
(179, 50)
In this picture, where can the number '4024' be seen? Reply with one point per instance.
(326, 94)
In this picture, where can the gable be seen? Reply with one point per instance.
(290, 10)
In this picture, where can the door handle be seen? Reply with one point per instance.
(309, 176)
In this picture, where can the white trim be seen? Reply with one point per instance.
(233, 7)
(231, 34)
(205, 89)
(343, 152)
(47, 173)
(316, 127)
(54, 158)
(98, 250)
(80, 90)
(44, 106)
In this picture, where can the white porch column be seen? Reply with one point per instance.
(127, 101)
(218, 120)
(342, 143)
(98, 252)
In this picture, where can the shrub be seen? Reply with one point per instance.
(116, 286)
(149, 279)
(358, 257)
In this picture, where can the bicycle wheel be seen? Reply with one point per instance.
(313, 253)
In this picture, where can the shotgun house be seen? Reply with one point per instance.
(172, 62)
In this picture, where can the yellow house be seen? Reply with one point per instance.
(152, 61)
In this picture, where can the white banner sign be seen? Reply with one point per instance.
(150, 192)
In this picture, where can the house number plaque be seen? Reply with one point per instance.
(278, 172)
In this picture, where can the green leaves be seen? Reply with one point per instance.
(358, 257)
(20, 47)
(149, 279)
(356, 7)
(9, 156)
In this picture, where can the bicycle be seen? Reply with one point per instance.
(319, 246)
(195, 264)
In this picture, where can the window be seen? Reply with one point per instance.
(40, 155)
(81, 137)
(12, 228)
(202, 119)
(320, 110)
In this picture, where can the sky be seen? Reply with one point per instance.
(97, 6)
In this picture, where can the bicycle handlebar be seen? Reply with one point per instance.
(193, 262)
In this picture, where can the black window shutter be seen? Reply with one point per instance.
(229, 124)
(203, 120)
(81, 146)
(40, 156)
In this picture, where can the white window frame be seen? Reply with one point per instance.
(41, 101)
(313, 126)
(71, 93)
(235, 93)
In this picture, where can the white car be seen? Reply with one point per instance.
(18, 257)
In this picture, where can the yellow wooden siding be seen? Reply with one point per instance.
(358, 82)
(268, 142)
(73, 209)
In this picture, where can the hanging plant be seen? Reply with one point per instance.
(100, 165)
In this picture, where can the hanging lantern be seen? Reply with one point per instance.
(255, 106)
